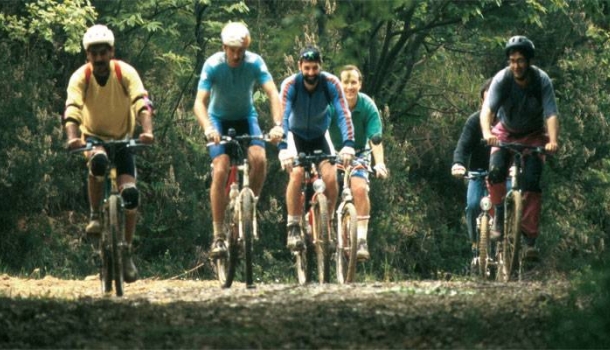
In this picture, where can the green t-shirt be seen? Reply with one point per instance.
(366, 120)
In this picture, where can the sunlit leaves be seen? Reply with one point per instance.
(60, 23)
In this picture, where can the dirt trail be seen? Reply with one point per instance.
(56, 313)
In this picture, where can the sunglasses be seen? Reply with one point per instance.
(311, 55)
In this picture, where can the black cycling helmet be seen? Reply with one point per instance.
(521, 43)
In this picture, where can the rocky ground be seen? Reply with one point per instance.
(57, 313)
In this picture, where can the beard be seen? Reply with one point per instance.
(311, 80)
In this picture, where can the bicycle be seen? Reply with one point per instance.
(347, 222)
(240, 225)
(483, 263)
(112, 243)
(315, 224)
(509, 257)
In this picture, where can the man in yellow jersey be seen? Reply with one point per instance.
(105, 98)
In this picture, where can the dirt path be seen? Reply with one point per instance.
(54, 313)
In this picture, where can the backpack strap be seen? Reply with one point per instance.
(88, 71)
(117, 72)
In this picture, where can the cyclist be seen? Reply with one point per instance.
(105, 97)
(470, 152)
(367, 125)
(523, 98)
(224, 100)
(306, 97)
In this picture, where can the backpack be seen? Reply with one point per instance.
(534, 89)
(323, 81)
(117, 71)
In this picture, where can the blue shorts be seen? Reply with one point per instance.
(244, 126)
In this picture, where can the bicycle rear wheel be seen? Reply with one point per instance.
(246, 222)
(321, 240)
(346, 244)
(484, 248)
(512, 235)
(117, 236)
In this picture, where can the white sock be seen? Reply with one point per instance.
(362, 228)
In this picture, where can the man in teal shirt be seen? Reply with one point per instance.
(367, 126)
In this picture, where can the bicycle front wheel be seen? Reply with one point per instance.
(346, 244)
(484, 248)
(512, 235)
(320, 230)
(226, 265)
(246, 226)
(117, 236)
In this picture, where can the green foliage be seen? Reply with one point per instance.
(423, 62)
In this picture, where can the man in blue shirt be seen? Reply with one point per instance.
(224, 100)
(305, 98)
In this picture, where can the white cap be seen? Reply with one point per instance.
(235, 34)
(98, 34)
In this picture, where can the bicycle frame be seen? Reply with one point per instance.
(347, 221)
(240, 214)
(314, 221)
(509, 257)
(482, 260)
(112, 243)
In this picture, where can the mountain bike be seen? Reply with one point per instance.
(483, 263)
(347, 221)
(315, 225)
(112, 243)
(240, 225)
(509, 256)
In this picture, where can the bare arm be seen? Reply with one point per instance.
(486, 120)
(200, 109)
(274, 101)
(552, 128)
(145, 118)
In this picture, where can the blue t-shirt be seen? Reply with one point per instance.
(308, 114)
(231, 88)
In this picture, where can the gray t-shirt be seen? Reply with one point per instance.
(521, 112)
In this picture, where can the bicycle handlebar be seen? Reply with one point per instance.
(128, 143)
(473, 175)
(224, 139)
(308, 159)
(520, 148)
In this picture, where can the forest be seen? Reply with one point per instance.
(423, 63)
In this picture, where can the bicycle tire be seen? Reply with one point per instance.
(484, 245)
(105, 251)
(320, 230)
(246, 222)
(117, 234)
(512, 235)
(227, 265)
(347, 244)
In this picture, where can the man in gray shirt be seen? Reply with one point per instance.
(523, 98)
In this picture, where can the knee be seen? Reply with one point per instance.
(131, 196)
(98, 164)
(497, 174)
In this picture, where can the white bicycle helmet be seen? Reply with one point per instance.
(98, 34)
(235, 34)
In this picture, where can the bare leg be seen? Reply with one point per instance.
(258, 168)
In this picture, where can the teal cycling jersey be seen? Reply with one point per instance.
(366, 121)
(231, 88)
